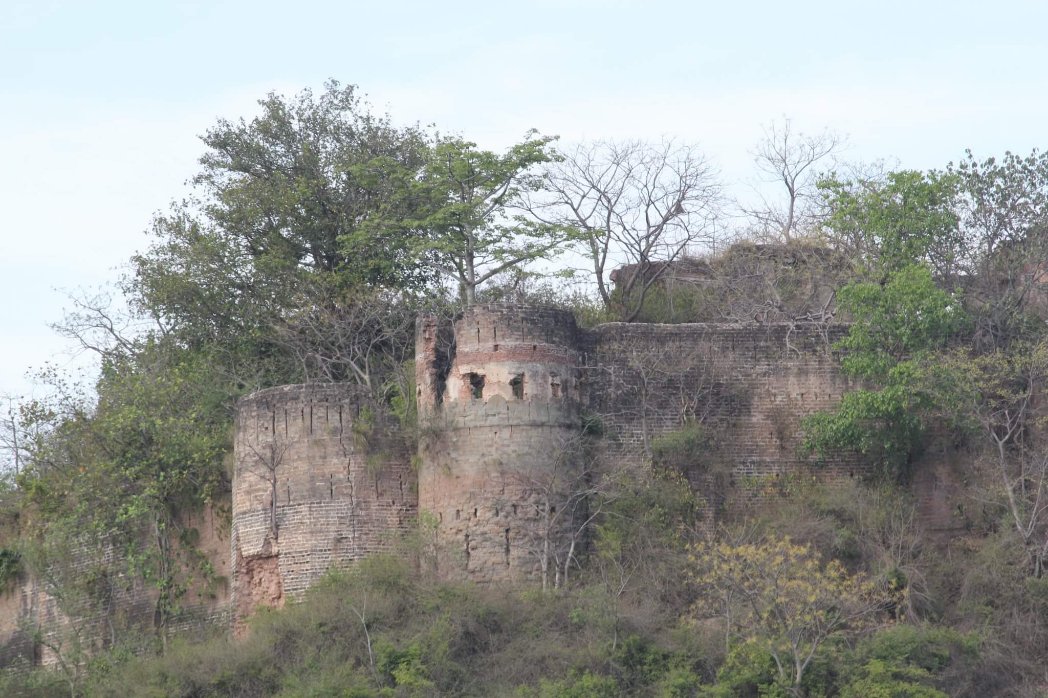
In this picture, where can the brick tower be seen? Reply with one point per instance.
(498, 401)
(321, 480)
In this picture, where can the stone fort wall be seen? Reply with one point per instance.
(504, 391)
(322, 479)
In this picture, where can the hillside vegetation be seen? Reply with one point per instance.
(319, 230)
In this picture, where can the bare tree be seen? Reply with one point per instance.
(12, 436)
(790, 158)
(359, 338)
(568, 498)
(637, 204)
(266, 462)
(1006, 405)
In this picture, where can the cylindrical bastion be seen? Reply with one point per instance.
(321, 479)
(498, 405)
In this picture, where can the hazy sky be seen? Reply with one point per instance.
(102, 102)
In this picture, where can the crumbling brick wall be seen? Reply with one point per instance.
(505, 389)
(749, 386)
(500, 451)
(39, 622)
(322, 478)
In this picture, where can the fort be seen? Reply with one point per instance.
(519, 410)
(519, 413)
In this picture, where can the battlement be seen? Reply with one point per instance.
(481, 327)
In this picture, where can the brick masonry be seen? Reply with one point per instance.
(323, 478)
(504, 391)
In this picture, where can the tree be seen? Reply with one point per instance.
(898, 326)
(786, 597)
(125, 469)
(1004, 210)
(12, 435)
(789, 158)
(355, 336)
(475, 226)
(290, 209)
(299, 185)
(905, 218)
(636, 204)
(265, 463)
(568, 498)
(1000, 392)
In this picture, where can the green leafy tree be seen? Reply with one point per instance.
(298, 185)
(475, 226)
(292, 213)
(909, 661)
(905, 218)
(116, 476)
(1004, 210)
(897, 329)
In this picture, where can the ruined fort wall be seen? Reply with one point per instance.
(104, 604)
(322, 479)
(322, 476)
(749, 386)
(501, 423)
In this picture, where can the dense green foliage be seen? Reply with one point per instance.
(897, 328)
(382, 630)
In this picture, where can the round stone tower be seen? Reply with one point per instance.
(321, 479)
(500, 463)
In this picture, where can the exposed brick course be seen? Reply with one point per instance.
(342, 482)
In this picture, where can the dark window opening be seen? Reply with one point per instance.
(505, 550)
(516, 384)
(476, 385)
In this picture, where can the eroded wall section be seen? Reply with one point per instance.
(322, 479)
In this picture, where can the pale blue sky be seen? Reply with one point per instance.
(101, 102)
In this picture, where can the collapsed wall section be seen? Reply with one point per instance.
(500, 446)
(322, 479)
